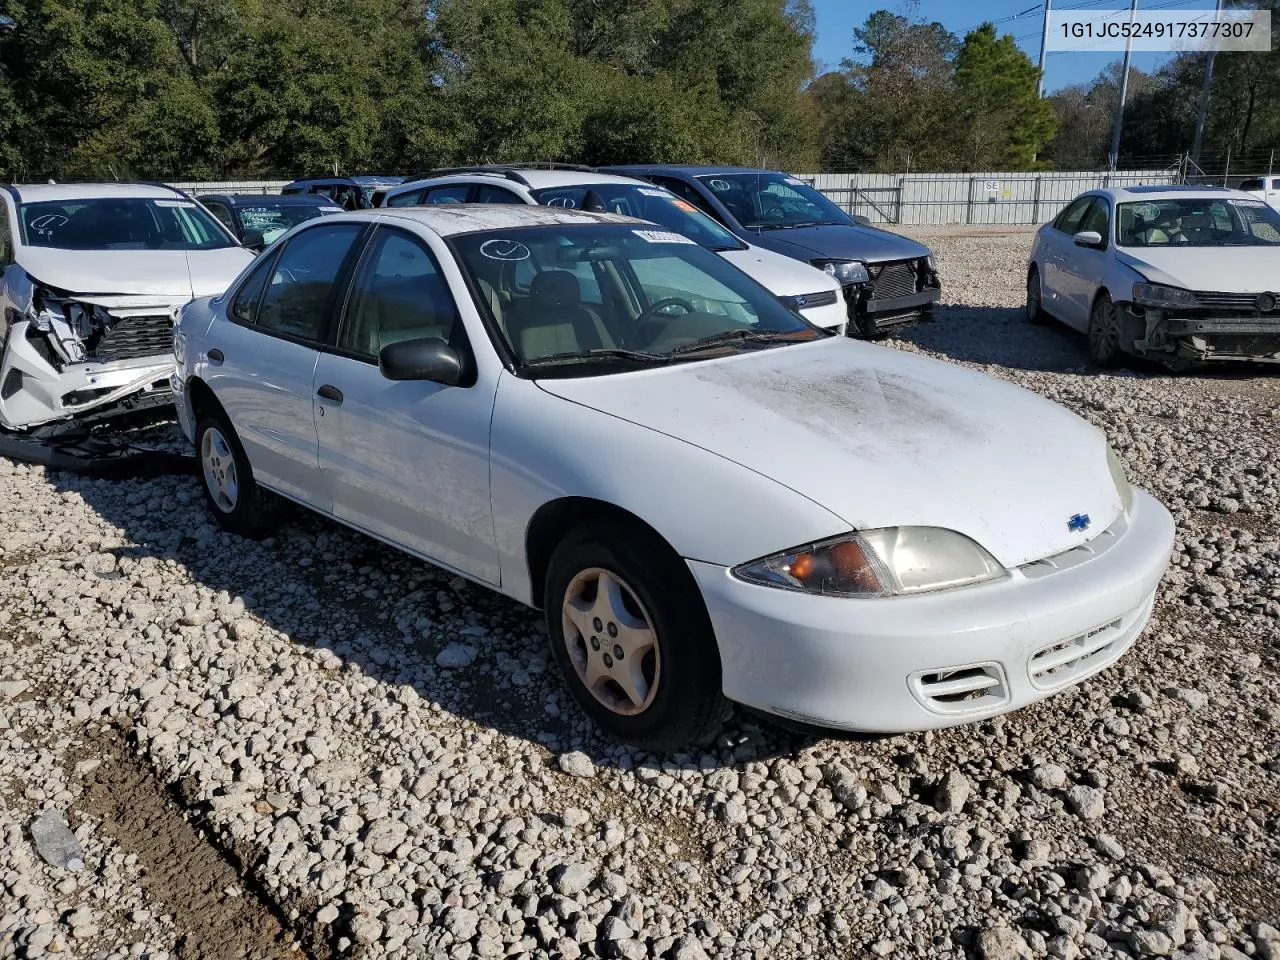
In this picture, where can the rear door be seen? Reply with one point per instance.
(407, 461)
(261, 362)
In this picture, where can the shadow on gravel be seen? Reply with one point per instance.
(388, 615)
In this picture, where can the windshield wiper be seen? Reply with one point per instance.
(736, 336)
(599, 353)
(794, 226)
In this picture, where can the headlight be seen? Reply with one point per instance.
(892, 561)
(1121, 479)
(1157, 295)
(846, 271)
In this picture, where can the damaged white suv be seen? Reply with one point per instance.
(91, 275)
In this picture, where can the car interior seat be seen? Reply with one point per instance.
(552, 320)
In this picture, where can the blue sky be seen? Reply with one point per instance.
(837, 19)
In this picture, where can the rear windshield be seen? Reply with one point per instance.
(644, 202)
(273, 220)
(121, 223)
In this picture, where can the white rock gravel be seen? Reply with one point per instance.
(308, 698)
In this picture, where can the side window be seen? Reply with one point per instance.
(6, 235)
(1096, 219)
(220, 211)
(410, 198)
(244, 308)
(398, 294)
(452, 193)
(1253, 185)
(1069, 219)
(299, 297)
(1275, 184)
(488, 194)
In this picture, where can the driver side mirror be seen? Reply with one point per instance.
(1088, 238)
(254, 240)
(861, 221)
(427, 358)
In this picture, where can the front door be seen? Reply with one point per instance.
(1083, 267)
(261, 363)
(406, 460)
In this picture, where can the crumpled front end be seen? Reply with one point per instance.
(69, 356)
(1229, 328)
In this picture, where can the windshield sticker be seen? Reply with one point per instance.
(50, 221)
(684, 205)
(1256, 204)
(661, 236)
(176, 203)
(504, 250)
(793, 181)
(654, 192)
(331, 210)
(720, 186)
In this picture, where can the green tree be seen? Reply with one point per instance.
(1006, 123)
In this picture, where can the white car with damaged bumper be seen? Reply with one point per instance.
(90, 277)
(711, 499)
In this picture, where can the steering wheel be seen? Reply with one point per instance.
(650, 314)
(775, 211)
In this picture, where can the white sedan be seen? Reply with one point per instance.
(711, 499)
(1178, 275)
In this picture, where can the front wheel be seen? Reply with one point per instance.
(237, 502)
(632, 638)
(1104, 334)
(1035, 301)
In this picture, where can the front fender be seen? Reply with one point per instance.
(544, 448)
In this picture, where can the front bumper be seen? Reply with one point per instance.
(1251, 339)
(918, 663)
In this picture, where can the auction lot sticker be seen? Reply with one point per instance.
(1241, 31)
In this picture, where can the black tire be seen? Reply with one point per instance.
(1104, 334)
(687, 703)
(222, 458)
(1035, 301)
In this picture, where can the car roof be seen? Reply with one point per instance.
(378, 180)
(35, 192)
(450, 219)
(534, 179)
(691, 170)
(269, 199)
(1169, 192)
(321, 181)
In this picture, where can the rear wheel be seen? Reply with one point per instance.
(238, 503)
(1035, 303)
(1104, 334)
(632, 638)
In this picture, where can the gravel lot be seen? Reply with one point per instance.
(314, 746)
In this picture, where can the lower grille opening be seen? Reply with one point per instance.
(961, 689)
(134, 338)
(1062, 661)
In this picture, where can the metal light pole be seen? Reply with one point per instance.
(1124, 91)
(1044, 42)
(1204, 103)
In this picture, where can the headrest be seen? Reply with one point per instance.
(556, 288)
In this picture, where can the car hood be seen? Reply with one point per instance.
(781, 276)
(171, 276)
(1218, 269)
(882, 438)
(840, 243)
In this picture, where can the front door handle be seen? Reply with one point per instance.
(330, 393)
(215, 356)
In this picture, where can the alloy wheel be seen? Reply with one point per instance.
(611, 641)
(1104, 332)
(219, 465)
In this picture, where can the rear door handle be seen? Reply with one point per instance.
(329, 392)
(215, 356)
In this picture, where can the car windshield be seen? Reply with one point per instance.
(577, 299)
(274, 219)
(644, 202)
(1197, 222)
(773, 201)
(121, 223)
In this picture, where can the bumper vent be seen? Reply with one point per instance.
(960, 690)
(891, 280)
(134, 338)
(1065, 660)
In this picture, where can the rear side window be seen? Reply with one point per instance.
(244, 308)
(410, 198)
(453, 193)
(299, 296)
(488, 194)
(1253, 185)
(222, 213)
